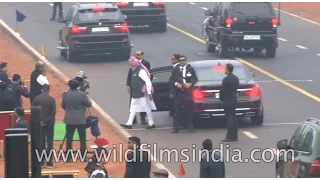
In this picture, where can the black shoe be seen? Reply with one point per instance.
(229, 140)
(126, 126)
(151, 127)
(52, 19)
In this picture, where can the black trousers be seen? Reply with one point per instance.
(55, 6)
(47, 141)
(232, 123)
(183, 108)
(82, 135)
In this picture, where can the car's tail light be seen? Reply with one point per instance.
(274, 21)
(315, 167)
(198, 94)
(254, 92)
(158, 4)
(98, 9)
(78, 30)
(228, 21)
(122, 4)
(122, 28)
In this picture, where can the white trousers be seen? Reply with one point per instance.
(133, 114)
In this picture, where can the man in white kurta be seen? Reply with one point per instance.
(142, 101)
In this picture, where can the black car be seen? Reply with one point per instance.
(243, 25)
(207, 104)
(94, 29)
(152, 14)
(300, 158)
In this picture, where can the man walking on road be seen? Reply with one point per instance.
(228, 97)
(37, 80)
(47, 116)
(211, 165)
(182, 83)
(139, 55)
(138, 163)
(57, 5)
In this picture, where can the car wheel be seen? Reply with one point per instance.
(257, 50)
(223, 51)
(210, 48)
(71, 57)
(162, 27)
(63, 53)
(257, 120)
(271, 52)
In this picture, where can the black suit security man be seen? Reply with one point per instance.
(139, 55)
(183, 78)
(228, 97)
(174, 62)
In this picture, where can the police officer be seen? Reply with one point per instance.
(182, 83)
(18, 89)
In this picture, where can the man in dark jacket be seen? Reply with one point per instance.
(6, 99)
(139, 55)
(37, 80)
(228, 97)
(3, 73)
(174, 62)
(75, 102)
(138, 163)
(183, 79)
(21, 122)
(47, 117)
(211, 165)
(18, 89)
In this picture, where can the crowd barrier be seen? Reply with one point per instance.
(8, 120)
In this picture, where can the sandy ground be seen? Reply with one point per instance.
(21, 63)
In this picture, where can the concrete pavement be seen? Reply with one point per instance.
(108, 79)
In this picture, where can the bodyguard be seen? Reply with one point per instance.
(37, 80)
(17, 89)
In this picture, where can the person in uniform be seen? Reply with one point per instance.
(37, 80)
(161, 173)
(141, 93)
(57, 5)
(139, 55)
(228, 97)
(182, 82)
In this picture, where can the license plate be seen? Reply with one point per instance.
(100, 29)
(141, 4)
(252, 37)
(218, 95)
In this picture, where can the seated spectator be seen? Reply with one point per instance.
(21, 122)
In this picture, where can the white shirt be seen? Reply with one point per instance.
(42, 80)
(175, 65)
(18, 120)
(144, 76)
(183, 73)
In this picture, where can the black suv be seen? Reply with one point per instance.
(152, 14)
(302, 154)
(94, 29)
(243, 25)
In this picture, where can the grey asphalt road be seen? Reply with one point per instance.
(282, 104)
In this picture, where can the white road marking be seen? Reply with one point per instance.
(115, 124)
(286, 81)
(281, 39)
(192, 3)
(250, 135)
(204, 53)
(204, 8)
(305, 19)
(301, 47)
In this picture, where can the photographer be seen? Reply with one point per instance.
(18, 89)
(83, 84)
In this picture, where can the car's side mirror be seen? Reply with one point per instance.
(283, 144)
(252, 74)
(208, 13)
(125, 17)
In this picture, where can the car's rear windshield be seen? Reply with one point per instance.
(260, 9)
(106, 14)
(217, 73)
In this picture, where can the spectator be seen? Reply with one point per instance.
(3, 73)
(21, 122)
(138, 163)
(75, 102)
(47, 117)
(37, 80)
(211, 165)
(18, 89)
(161, 173)
(6, 100)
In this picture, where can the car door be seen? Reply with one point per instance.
(294, 143)
(68, 23)
(160, 82)
(304, 150)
